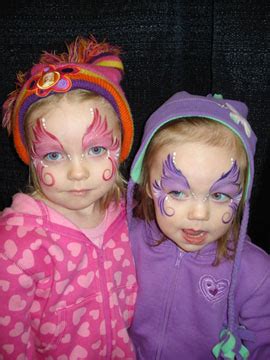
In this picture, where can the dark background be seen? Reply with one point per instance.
(198, 46)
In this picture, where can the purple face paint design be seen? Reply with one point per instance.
(43, 141)
(98, 135)
(172, 179)
(229, 184)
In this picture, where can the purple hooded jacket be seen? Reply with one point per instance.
(186, 306)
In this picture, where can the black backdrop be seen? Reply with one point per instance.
(198, 46)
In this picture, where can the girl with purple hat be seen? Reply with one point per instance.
(67, 276)
(204, 288)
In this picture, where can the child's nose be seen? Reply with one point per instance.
(199, 210)
(78, 170)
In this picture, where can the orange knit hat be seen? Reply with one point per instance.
(87, 65)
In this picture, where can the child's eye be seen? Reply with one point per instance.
(97, 150)
(53, 156)
(178, 195)
(220, 197)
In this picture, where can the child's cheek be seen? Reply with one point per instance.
(44, 174)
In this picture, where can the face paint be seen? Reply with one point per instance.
(172, 179)
(43, 141)
(97, 135)
(229, 184)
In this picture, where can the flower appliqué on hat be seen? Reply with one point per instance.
(239, 119)
(53, 79)
(212, 289)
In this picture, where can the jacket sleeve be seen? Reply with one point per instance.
(16, 293)
(255, 316)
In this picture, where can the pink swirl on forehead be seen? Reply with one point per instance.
(98, 134)
(44, 142)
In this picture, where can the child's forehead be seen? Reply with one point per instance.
(75, 114)
(196, 159)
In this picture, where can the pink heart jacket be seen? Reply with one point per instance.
(62, 297)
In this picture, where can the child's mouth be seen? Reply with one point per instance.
(194, 236)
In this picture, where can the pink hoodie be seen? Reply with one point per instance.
(62, 297)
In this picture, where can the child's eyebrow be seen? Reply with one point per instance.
(173, 177)
(228, 182)
(97, 133)
(44, 141)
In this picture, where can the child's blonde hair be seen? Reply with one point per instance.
(201, 130)
(118, 189)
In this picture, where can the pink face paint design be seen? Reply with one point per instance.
(172, 179)
(229, 184)
(98, 135)
(43, 143)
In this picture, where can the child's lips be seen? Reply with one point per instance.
(194, 236)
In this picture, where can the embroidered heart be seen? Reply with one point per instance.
(10, 248)
(14, 269)
(213, 290)
(36, 245)
(55, 237)
(124, 237)
(69, 289)
(107, 264)
(124, 335)
(126, 263)
(118, 253)
(4, 284)
(21, 231)
(48, 328)
(110, 244)
(15, 221)
(27, 261)
(118, 353)
(131, 281)
(25, 281)
(84, 263)
(18, 329)
(16, 303)
(74, 248)
(94, 314)
(78, 353)
(66, 339)
(41, 231)
(61, 286)
(5, 320)
(85, 280)
(71, 265)
(35, 306)
(9, 348)
(84, 329)
(57, 252)
(77, 315)
(117, 277)
(96, 345)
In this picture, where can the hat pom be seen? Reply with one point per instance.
(82, 51)
(9, 104)
(230, 347)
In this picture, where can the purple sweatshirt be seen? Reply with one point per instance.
(182, 300)
(186, 306)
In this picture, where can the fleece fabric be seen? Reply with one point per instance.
(63, 297)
